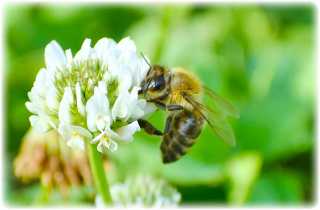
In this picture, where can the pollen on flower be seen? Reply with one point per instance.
(87, 73)
(91, 95)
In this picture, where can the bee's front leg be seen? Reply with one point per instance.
(170, 107)
(174, 107)
(149, 128)
(159, 104)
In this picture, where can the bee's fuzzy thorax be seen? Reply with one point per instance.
(186, 81)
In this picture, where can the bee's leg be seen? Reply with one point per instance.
(159, 104)
(168, 124)
(174, 107)
(170, 107)
(149, 128)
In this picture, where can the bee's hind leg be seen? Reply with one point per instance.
(149, 128)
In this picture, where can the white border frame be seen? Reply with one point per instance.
(224, 2)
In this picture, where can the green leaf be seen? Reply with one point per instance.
(277, 187)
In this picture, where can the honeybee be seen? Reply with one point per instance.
(179, 92)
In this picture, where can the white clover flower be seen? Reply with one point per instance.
(142, 191)
(92, 96)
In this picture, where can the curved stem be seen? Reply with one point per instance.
(99, 177)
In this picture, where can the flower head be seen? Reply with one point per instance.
(143, 191)
(92, 95)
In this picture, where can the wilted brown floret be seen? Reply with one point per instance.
(47, 158)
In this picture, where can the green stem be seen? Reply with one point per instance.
(99, 177)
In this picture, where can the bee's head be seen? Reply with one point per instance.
(155, 83)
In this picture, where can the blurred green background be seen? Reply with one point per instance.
(260, 57)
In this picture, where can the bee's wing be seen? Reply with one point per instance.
(223, 129)
(215, 119)
(221, 104)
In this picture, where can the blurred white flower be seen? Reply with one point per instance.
(142, 191)
(92, 96)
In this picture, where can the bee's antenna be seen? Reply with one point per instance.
(150, 67)
(145, 59)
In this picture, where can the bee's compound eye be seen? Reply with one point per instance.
(157, 83)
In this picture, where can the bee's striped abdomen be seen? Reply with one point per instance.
(182, 129)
